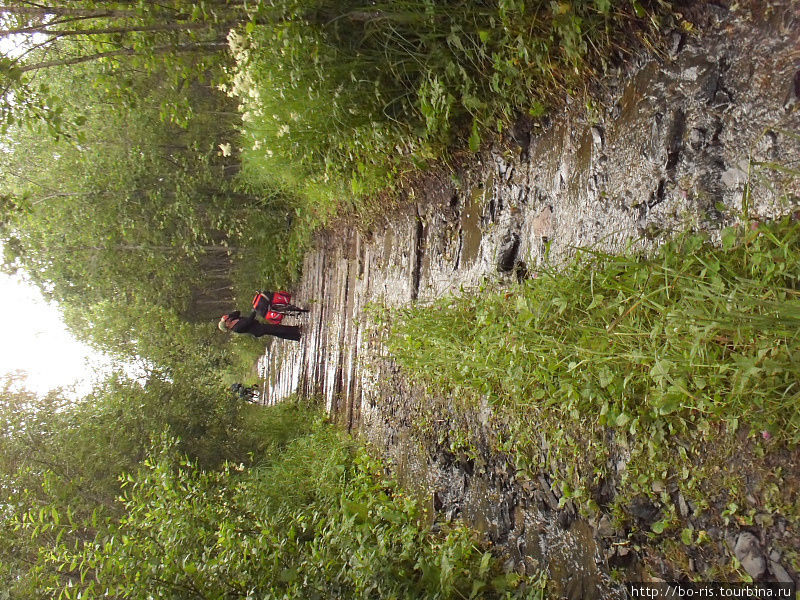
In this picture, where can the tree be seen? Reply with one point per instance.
(61, 461)
(119, 36)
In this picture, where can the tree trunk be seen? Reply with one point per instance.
(213, 46)
(45, 29)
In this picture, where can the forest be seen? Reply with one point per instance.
(162, 159)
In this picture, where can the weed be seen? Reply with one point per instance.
(654, 358)
(340, 100)
(319, 519)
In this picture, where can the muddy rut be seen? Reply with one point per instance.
(676, 142)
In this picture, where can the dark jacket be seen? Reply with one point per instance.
(253, 327)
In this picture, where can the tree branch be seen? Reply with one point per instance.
(214, 46)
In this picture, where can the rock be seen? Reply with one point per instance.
(734, 177)
(507, 255)
(597, 136)
(779, 573)
(749, 554)
(644, 510)
(605, 528)
(722, 98)
(548, 497)
(521, 132)
(574, 589)
(565, 518)
(697, 138)
(683, 508)
(793, 96)
(677, 44)
(764, 520)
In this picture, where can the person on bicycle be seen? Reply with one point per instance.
(237, 324)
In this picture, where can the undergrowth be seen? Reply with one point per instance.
(317, 518)
(340, 99)
(654, 360)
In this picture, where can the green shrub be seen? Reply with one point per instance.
(339, 97)
(695, 332)
(319, 521)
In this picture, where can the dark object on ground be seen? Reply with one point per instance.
(248, 394)
(507, 257)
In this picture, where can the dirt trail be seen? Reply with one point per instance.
(677, 141)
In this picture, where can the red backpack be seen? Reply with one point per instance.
(264, 301)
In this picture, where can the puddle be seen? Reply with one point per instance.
(572, 559)
(633, 97)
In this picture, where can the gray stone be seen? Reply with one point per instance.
(697, 138)
(779, 573)
(605, 528)
(734, 177)
(764, 520)
(749, 554)
(597, 136)
(683, 508)
(677, 43)
(547, 494)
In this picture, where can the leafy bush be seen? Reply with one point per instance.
(316, 518)
(320, 521)
(338, 97)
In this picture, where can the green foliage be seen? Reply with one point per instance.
(339, 97)
(180, 39)
(671, 360)
(61, 461)
(317, 520)
(156, 193)
(696, 332)
(134, 222)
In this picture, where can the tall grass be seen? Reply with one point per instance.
(695, 333)
(339, 98)
(666, 364)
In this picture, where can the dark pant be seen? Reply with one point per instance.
(286, 332)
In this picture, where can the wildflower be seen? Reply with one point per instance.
(766, 435)
(226, 149)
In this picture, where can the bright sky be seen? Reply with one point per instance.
(35, 340)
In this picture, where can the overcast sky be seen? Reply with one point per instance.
(35, 340)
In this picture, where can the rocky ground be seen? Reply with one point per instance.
(702, 134)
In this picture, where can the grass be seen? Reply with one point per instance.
(684, 365)
(341, 100)
(694, 333)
